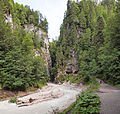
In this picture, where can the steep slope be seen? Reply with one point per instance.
(42, 36)
(24, 47)
(85, 43)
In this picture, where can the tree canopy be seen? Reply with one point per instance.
(19, 67)
(92, 30)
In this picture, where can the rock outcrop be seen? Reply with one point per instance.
(41, 35)
(9, 19)
(72, 65)
(45, 49)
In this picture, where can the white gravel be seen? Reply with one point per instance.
(46, 107)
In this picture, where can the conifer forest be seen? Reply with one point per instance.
(84, 57)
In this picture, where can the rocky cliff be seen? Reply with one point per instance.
(41, 35)
(72, 65)
(8, 19)
(45, 48)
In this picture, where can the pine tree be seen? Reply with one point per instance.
(109, 60)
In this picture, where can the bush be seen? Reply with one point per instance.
(0, 87)
(53, 73)
(61, 78)
(13, 100)
(86, 103)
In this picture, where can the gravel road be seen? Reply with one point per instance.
(110, 99)
(67, 95)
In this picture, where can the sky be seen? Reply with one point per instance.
(53, 10)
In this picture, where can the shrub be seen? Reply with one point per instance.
(87, 103)
(2, 96)
(0, 87)
(13, 100)
(61, 78)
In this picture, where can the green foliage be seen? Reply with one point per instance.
(24, 15)
(67, 110)
(19, 67)
(0, 87)
(53, 73)
(109, 58)
(40, 71)
(44, 25)
(72, 78)
(94, 85)
(69, 77)
(86, 103)
(53, 50)
(2, 96)
(13, 100)
(20, 72)
(61, 78)
(92, 30)
(41, 42)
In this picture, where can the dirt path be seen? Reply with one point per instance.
(110, 99)
(51, 97)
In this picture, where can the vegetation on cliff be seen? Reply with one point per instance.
(19, 67)
(92, 31)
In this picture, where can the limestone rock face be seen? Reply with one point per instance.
(72, 65)
(41, 35)
(30, 27)
(45, 49)
(9, 19)
(46, 54)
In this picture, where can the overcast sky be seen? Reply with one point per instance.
(52, 9)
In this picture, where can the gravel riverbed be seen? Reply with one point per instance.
(65, 95)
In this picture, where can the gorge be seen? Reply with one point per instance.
(85, 57)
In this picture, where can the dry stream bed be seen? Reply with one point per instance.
(45, 101)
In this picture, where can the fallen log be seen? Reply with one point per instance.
(24, 105)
